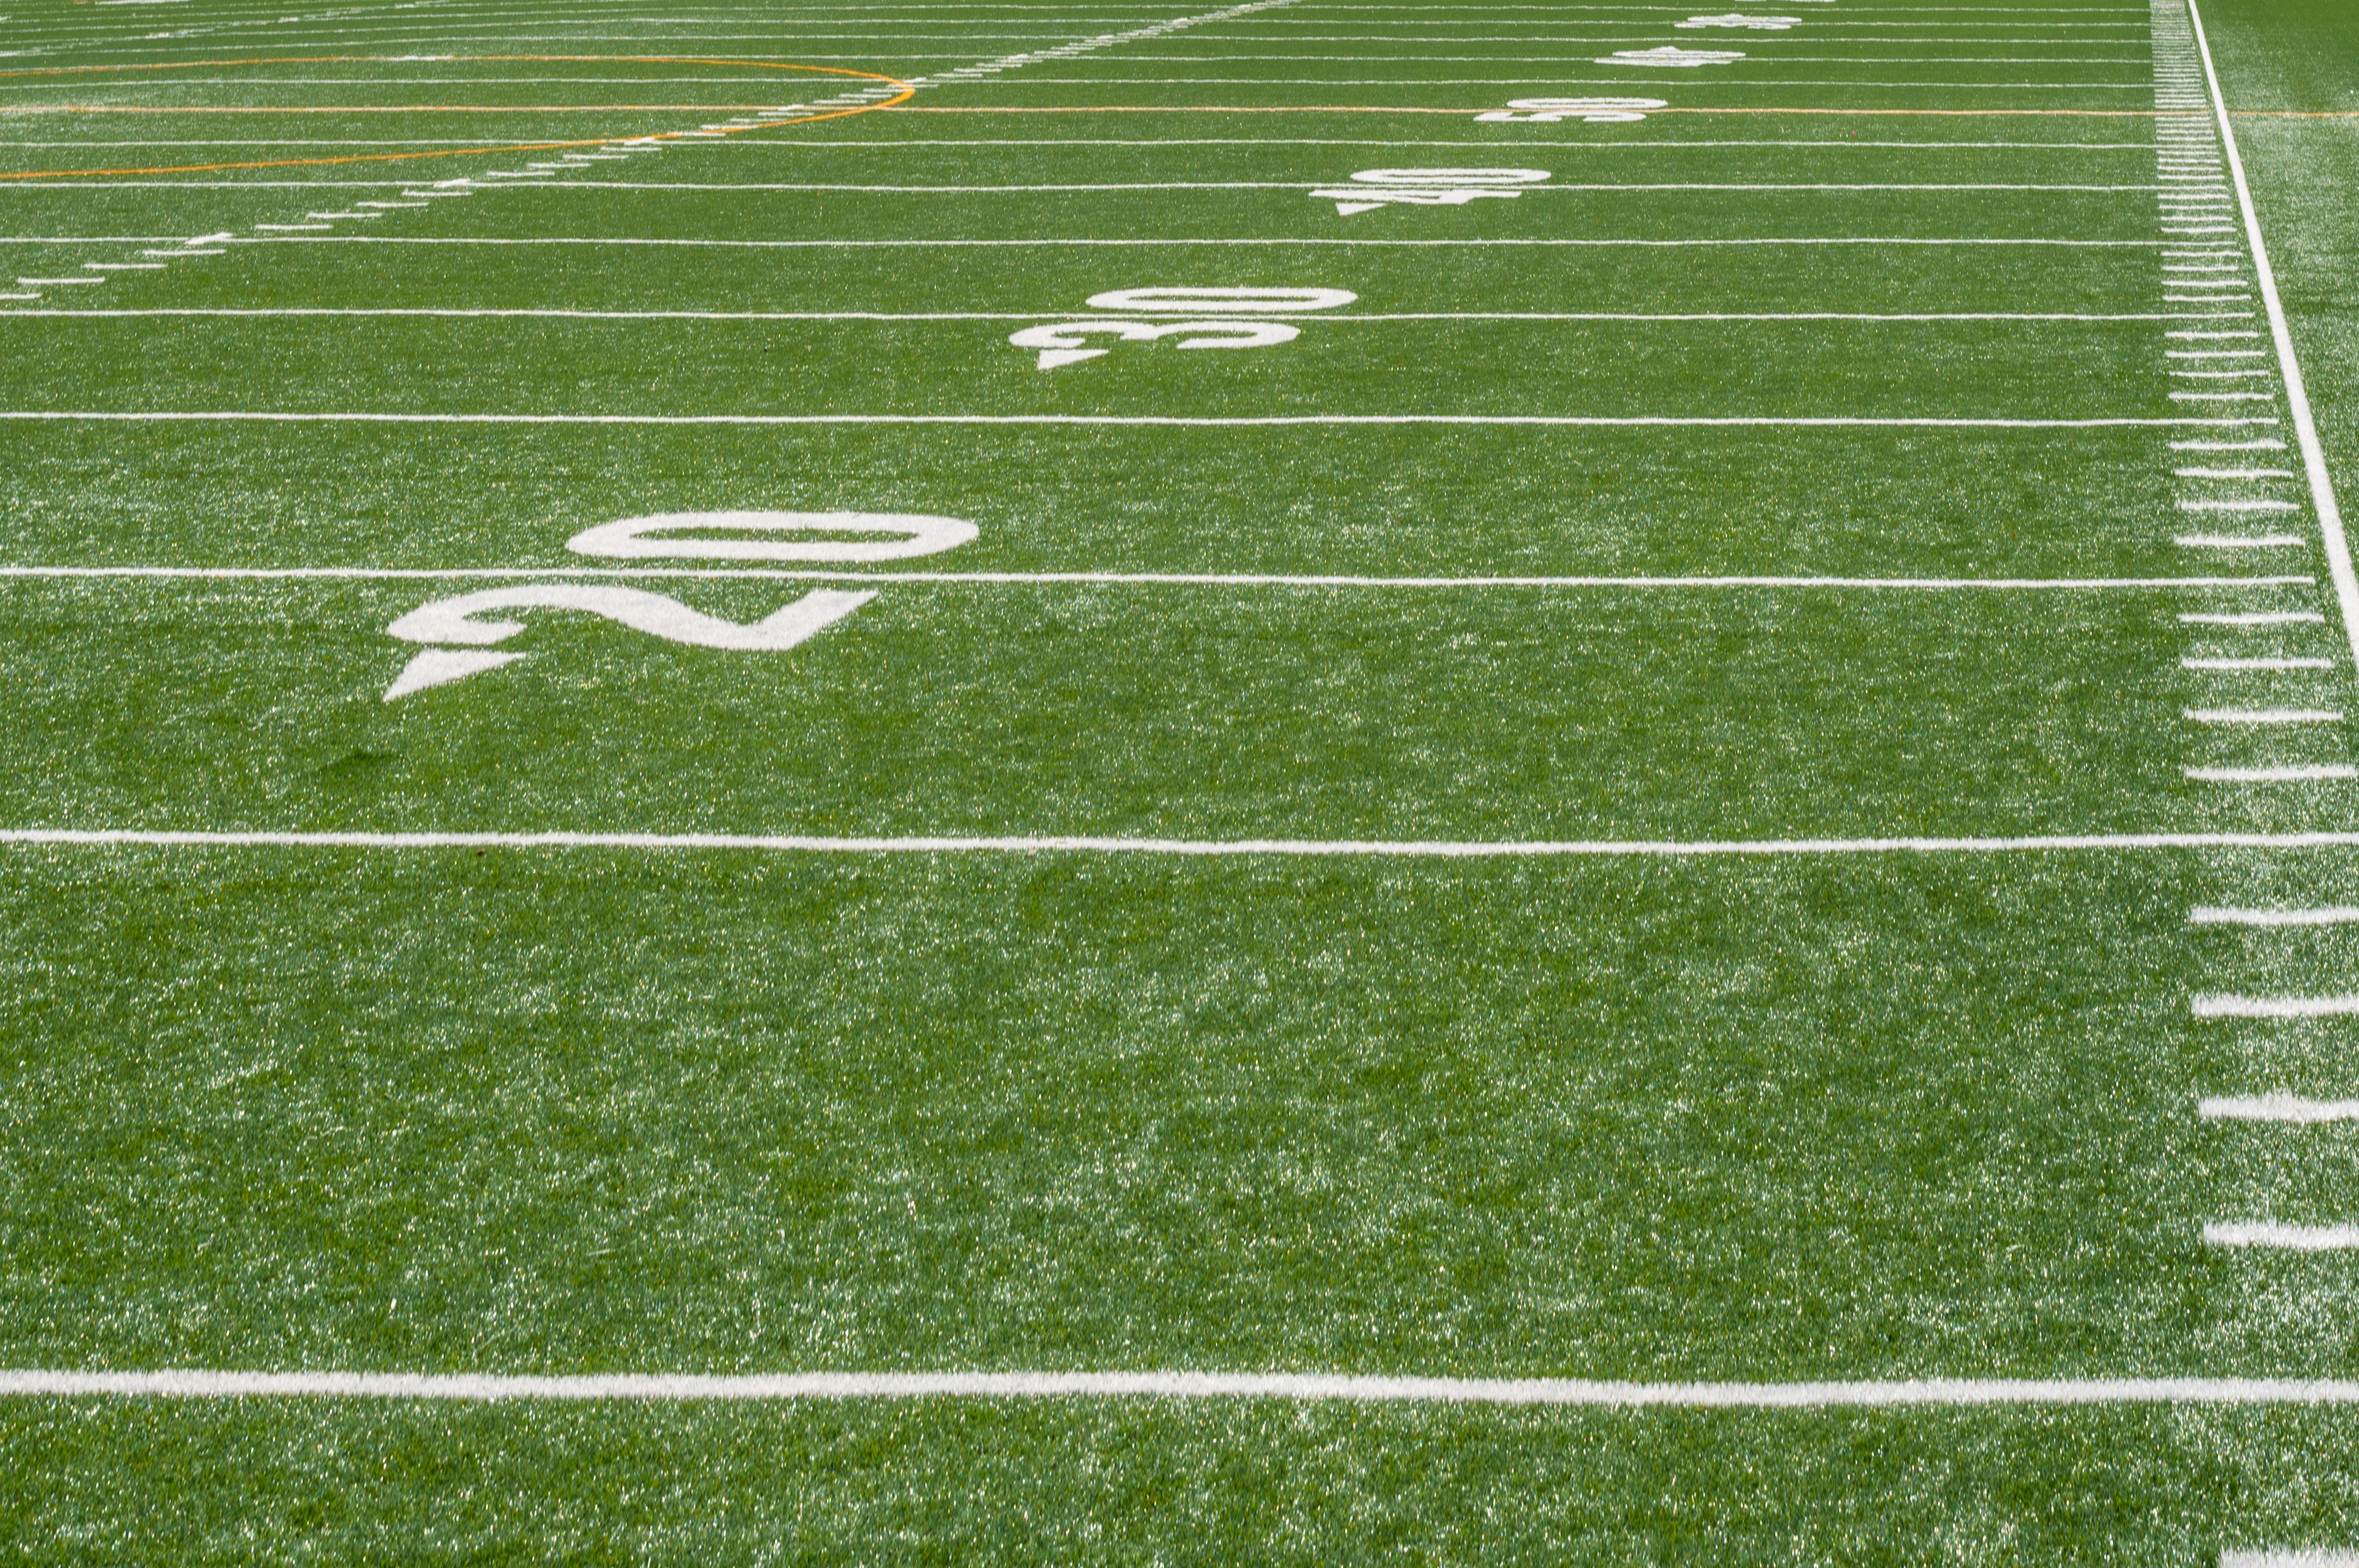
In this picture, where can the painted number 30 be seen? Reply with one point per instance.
(841, 538)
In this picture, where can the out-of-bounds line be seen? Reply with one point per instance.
(2321, 483)
(1078, 844)
(474, 312)
(1148, 579)
(1636, 421)
(2290, 1557)
(1249, 241)
(192, 1383)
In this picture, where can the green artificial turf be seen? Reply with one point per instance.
(1769, 1119)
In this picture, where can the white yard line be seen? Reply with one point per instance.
(1601, 316)
(1574, 421)
(742, 186)
(1884, 241)
(1144, 579)
(2321, 483)
(1076, 844)
(195, 1383)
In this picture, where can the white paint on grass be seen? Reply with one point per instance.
(1322, 849)
(1375, 187)
(1672, 56)
(1545, 421)
(2334, 914)
(2321, 483)
(2270, 1235)
(906, 535)
(2275, 1006)
(1589, 110)
(2290, 1557)
(1067, 343)
(2262, 716)
(195, 1383)
(2279, 1106)
(2309, 773)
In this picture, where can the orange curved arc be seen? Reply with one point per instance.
(907, 92)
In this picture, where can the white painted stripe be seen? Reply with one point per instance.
(741, 187)
(1331, 242)
(799, 148)
(1348, 848)
(2268, 1233)
(193, 1383)
(2321, 483)
(2291, 1557)
(2310, 773)
(1696, 316)
(2334, 914)
(776, 189)
(1189, 580)
(2262, 716)
(1145, 420)
(2275, 1006)
(2257, 664)
(2240, 541)
(2279, 1108)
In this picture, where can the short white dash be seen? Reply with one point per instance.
(2238, 541)
(2252, 618)
(2328, 915)
(2262, 716)
(2283, 1237)
(2275, 1006)
(2210, 664)
(2313, 772)
(2279, 1106)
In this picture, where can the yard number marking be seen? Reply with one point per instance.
(454, 619)
(1549, 111)
(1737, 19)
(1067, 343)
(1671, 55)
(1063, 343)
(1374, 188)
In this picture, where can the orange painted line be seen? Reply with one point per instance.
(907, 93)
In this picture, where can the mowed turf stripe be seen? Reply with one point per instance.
(195, 1383)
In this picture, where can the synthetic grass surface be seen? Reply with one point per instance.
(1760, 1119)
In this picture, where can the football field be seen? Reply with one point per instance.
(1309, 783)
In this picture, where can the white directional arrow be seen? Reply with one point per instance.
(453, 620)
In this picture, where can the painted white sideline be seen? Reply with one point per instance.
(193, 1383)
(1146, 579)
(1340, 849)
(2314, 455)
(1634, 421)
(2291, 1557)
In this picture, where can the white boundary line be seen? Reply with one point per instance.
(474, 312)
(1150, 420)
(2313, 456)
(1340, 849)
(1142, 580)
(192, 1383)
